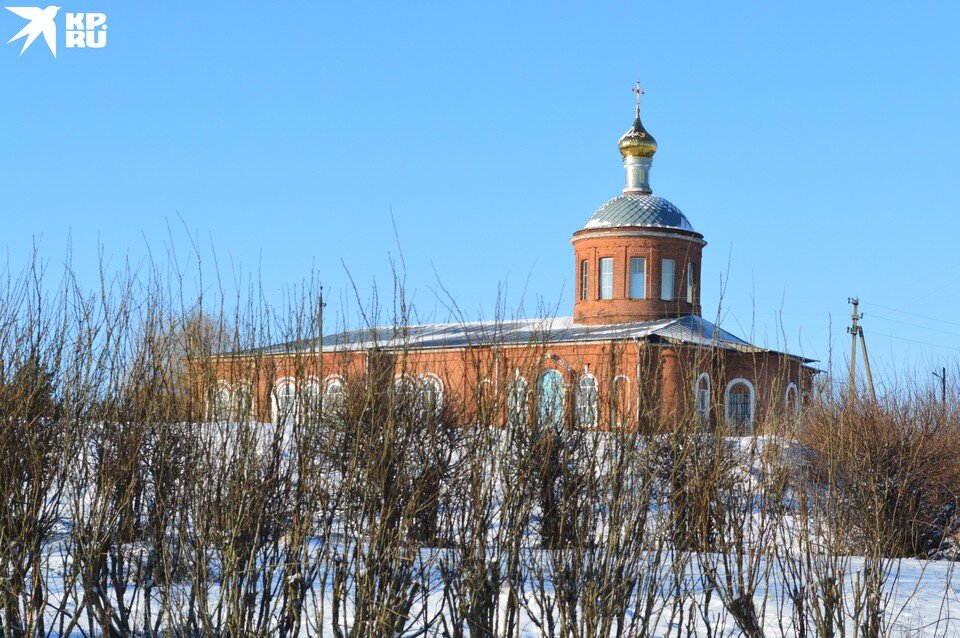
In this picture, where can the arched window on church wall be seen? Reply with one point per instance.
(586, 401)
(701, 394)
(791, 401)
(430, 394)
(283, 401)
(550, 396)
(310, 399)
(222, 402)
(334, 396)
(740, 404)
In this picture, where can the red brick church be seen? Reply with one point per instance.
(635, 350)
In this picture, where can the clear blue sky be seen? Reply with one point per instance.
(813, 144)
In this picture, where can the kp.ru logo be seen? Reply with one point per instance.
(83, 30)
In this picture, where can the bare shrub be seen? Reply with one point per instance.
(136, 498)
(895, 467)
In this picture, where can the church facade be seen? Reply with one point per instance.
(636, 350)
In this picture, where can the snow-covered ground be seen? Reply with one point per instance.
(923, 599)
(551, 593)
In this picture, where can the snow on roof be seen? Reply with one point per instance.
(691, 330)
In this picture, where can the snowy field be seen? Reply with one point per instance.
(924, 600)
(347, 573)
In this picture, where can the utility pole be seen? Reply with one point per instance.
(943, 384)
(856, 330)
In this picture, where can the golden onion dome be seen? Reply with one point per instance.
(637, 142)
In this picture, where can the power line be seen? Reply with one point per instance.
(920, 343)
(936, 290)
(912, 314)
(914, 325)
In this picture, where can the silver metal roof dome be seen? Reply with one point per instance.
(639, 209)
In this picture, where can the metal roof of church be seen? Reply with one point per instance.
(691, 330)
(637, 209)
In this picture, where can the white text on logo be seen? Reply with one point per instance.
(86, 30)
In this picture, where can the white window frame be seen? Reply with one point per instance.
(436, 382)
(604, 276)
(753, 401)
(587, 415)
(311, 394)
(584, 279)
(558, 422)
(668, 286)
(275, 394)
(701, 398)
(222, 403)
(405, 383)
(690, 282)
(332, 384)
(643, 277)
(792, 386)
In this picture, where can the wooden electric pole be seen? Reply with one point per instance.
(856, 330)
(853, 330)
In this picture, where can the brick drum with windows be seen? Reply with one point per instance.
(636, 339)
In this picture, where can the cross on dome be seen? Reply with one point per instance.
(639, 92)
(637, 142)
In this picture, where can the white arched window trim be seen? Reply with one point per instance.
(332, 379)
(405, 380)
(437, 383)
(701, 397)
(704, 376)
(552, 413)
(333, 390)
(309, 397)
(795, 389)
(587, 415)
(223, 402)
(279, 390)
(753, 399)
